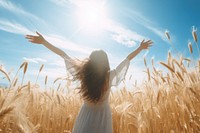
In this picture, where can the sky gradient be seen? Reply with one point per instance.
(117, 27)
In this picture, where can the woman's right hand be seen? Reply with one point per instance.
(36, 39)
(146, 44)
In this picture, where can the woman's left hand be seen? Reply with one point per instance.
(36, 39)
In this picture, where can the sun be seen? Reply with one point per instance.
(91, 16)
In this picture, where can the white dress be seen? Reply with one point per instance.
(97, 118)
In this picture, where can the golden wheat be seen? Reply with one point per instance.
(190, 47)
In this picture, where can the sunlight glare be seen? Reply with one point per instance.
(91, 17)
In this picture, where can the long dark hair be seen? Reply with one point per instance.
(93, 76)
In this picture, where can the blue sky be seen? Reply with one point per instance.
(78, 27)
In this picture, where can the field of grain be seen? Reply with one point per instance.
(167, 102)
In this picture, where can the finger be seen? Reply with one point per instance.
(142, 41)
(151, 41)
(38, 33)
(148, 41)
(30, 40)
(28, 37)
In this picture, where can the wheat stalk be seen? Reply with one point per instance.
(39, 72)
(190, 47)
(24, 71)
(152, 61)
(148, 72)
(7, 76)
(29, 86)
(167, 35)
(169, 38)
(145, 62)
(15, 82)
(167, 66)
(59, 78)
(46, 79)
(5, 111)
(195, 38)
(14, 79)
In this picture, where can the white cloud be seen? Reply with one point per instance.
(52, 73)
(13, 27)
(35, 60)
(141, 19)
(158, 32)
(123, 35)
(137, 73)
(16, 9)
(59, 63)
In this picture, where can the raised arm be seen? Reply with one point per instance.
(40, 40)
(119, 73)
(143, 45)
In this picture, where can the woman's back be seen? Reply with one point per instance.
(96, 117)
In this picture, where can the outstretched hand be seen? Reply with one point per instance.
(146, 44)
(35, 39)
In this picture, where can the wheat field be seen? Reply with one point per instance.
(167, 102)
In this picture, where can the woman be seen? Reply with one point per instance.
(96, 79)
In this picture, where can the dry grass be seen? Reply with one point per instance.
(167, 102)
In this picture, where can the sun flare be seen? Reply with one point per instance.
(91, 17)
